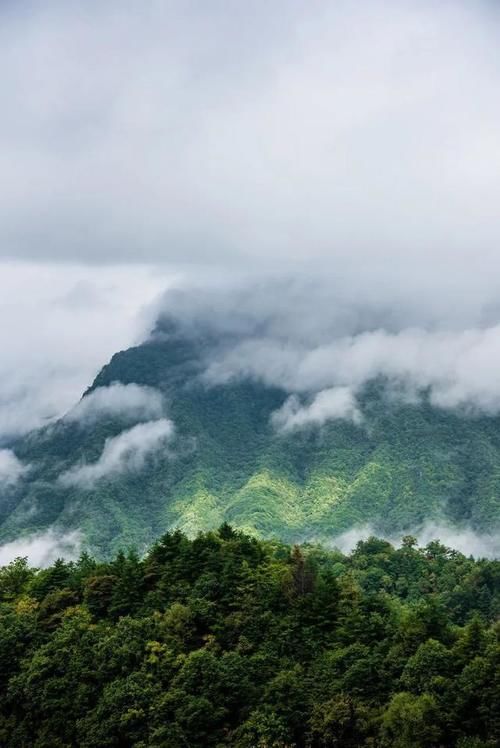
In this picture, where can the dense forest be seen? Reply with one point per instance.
(405, 465)
(225, 640)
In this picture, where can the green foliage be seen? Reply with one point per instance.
(225, 640)
(404, 465)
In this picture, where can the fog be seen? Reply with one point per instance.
(126, 452)
(464, 539)
(59, 325)
(125, 401)
(42, 549)
(362, 138)
(357, 143)
(11, 469)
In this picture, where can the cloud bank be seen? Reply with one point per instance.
(458, 369)
(11, 468)
(331, 404)
(464, 540)
(42, 549)
(356, 141)
(59, 325)
(362, 137)
(126, 452)
(126, 401)
(309, 337)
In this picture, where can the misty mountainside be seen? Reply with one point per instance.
(152, 446)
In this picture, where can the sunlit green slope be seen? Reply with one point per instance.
(406, 464)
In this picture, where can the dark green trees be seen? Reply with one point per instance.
(228, 641)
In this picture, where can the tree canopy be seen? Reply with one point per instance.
(225, 640)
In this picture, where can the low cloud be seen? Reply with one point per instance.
(307, 338)
(458, 368)
(464, 540)
(128, 401)
(331, 404)
(126, 452)
(59, 326)
(42, 549)
(11, 468)
(354, 136)
(360, 140)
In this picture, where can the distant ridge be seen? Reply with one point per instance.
(403, 466)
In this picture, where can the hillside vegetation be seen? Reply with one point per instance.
(225, 640)
(404, 465)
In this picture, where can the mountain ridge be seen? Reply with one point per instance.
(406, 464)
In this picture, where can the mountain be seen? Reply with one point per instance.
(224, 461)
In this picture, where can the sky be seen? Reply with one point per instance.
(334, 165)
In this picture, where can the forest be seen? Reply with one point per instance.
(226, 640)
(406, 465)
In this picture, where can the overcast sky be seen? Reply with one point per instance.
(354, 141)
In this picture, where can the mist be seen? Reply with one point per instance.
(11, 469)
(126, 401)
(59, 325)
(309, 337)
(42, 549)
(361, 139)
(315, 185)
(464, 540)
(355, 144)
(125, 452)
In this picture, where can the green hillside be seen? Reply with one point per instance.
(225, 640)
(404, 465)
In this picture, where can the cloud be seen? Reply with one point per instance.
(60, 324)
(331, 404)
(457, 368)
(362, 138)
(11, 468)
(464, 540)
(42, 549)
(126, 452)
(356, 141)
(319, 342)
(129, 401)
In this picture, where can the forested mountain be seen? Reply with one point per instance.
(230, 641)
(210, 453)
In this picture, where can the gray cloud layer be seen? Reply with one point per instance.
(363, 137)
(317, 340)
(357, 141)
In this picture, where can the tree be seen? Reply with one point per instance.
(411, 721)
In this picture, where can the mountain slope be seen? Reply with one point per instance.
(403, 465)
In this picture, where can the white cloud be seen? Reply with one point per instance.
(458, 368)
(127, 451)
(59, 325)
(362, 137)
(42, 549)
(11, 469)
(464, 540)
(357, 141)
(331, 404)
(129, 401)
